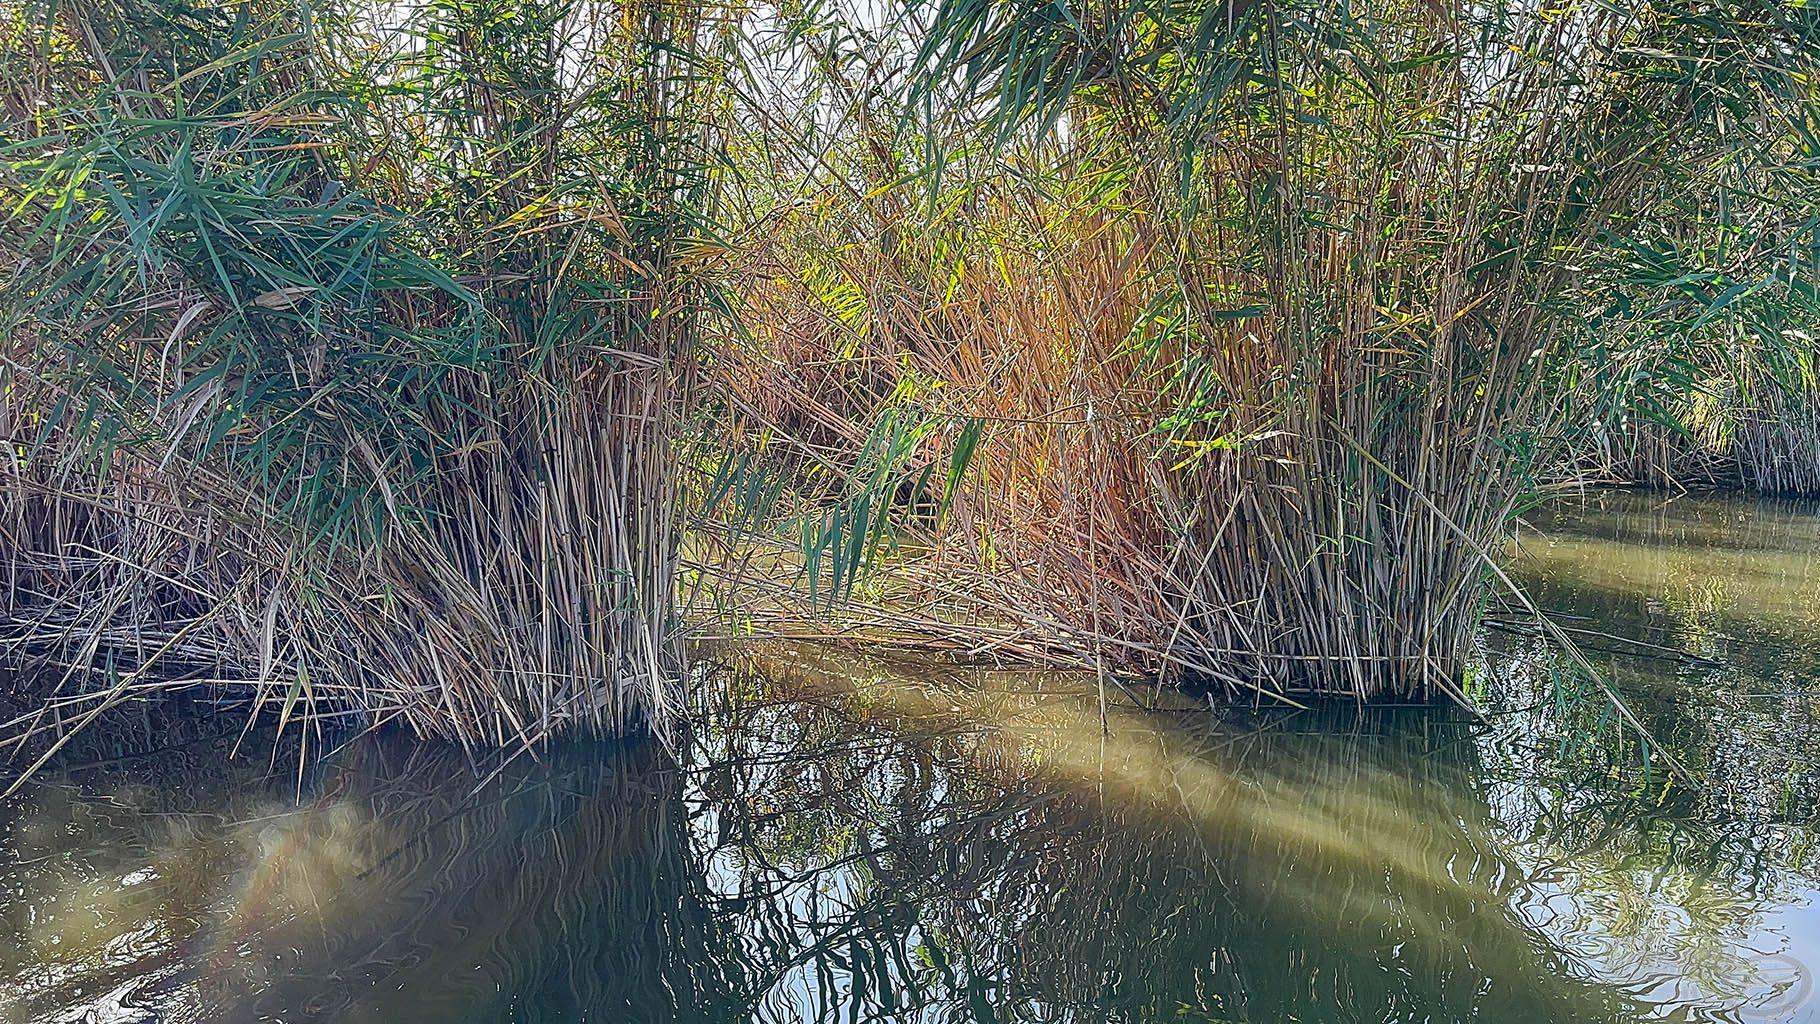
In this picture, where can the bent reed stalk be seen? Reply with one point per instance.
(344, 353)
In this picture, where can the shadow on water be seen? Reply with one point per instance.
(853, 839)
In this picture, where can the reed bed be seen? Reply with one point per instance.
(350, 352)
(1763, 438)
(1778, 443)
(1239, 379)
(344, 355)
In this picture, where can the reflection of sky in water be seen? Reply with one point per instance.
(1737, 582)
(863, 840)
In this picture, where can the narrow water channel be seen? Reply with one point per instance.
(872, 839)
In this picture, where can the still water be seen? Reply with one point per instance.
(852, 839)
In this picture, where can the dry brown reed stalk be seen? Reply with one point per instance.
(282, 433)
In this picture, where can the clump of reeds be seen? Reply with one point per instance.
(1652, 454)
(1749, 428)
(1259, 367)
(344, 351)
(1778, 442)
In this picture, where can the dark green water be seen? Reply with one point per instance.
(856, 840)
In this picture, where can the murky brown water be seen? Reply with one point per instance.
(855, 839)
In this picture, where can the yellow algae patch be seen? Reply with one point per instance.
(302, 859)
(200, 900)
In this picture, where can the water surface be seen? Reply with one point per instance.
(868, 839)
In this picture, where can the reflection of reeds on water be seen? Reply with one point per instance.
(869, 840)
(1296, 873)
(1736, 583)
(1721, 594)
(561, 890)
